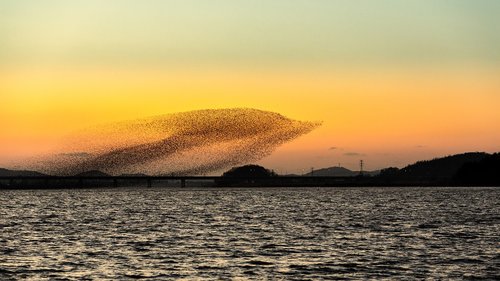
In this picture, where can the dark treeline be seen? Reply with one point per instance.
(483, 172)
(475, 168)
(468, 169)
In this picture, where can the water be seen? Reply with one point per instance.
(282, 233)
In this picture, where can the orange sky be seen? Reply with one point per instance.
(384, 116)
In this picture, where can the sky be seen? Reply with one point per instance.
(392, 81)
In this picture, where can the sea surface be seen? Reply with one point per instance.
(250, 233)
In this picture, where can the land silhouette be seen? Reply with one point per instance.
(483, 172)
(19, 173)
(467, 169)
(338, 172)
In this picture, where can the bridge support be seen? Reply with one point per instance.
(183, 182)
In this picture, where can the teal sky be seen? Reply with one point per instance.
(317, 32)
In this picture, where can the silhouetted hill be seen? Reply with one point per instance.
(16, 173)
(436, 171)
(93, 173)
(483, 172)
(134, 175)
(337, 172)
(248, 175)
(332, 172)
(249, 171)
(445, 167)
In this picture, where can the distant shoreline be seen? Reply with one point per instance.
(467, 169)
(78, 182)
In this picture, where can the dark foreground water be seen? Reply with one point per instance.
(285, 233)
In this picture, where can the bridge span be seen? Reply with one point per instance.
(40, 182)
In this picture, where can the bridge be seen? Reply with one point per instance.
(113, 180)
(117, 181)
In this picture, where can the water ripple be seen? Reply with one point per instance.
(283, 233)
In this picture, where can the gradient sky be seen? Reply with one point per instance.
(392, 81)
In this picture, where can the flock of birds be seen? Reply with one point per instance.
(187, 143)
